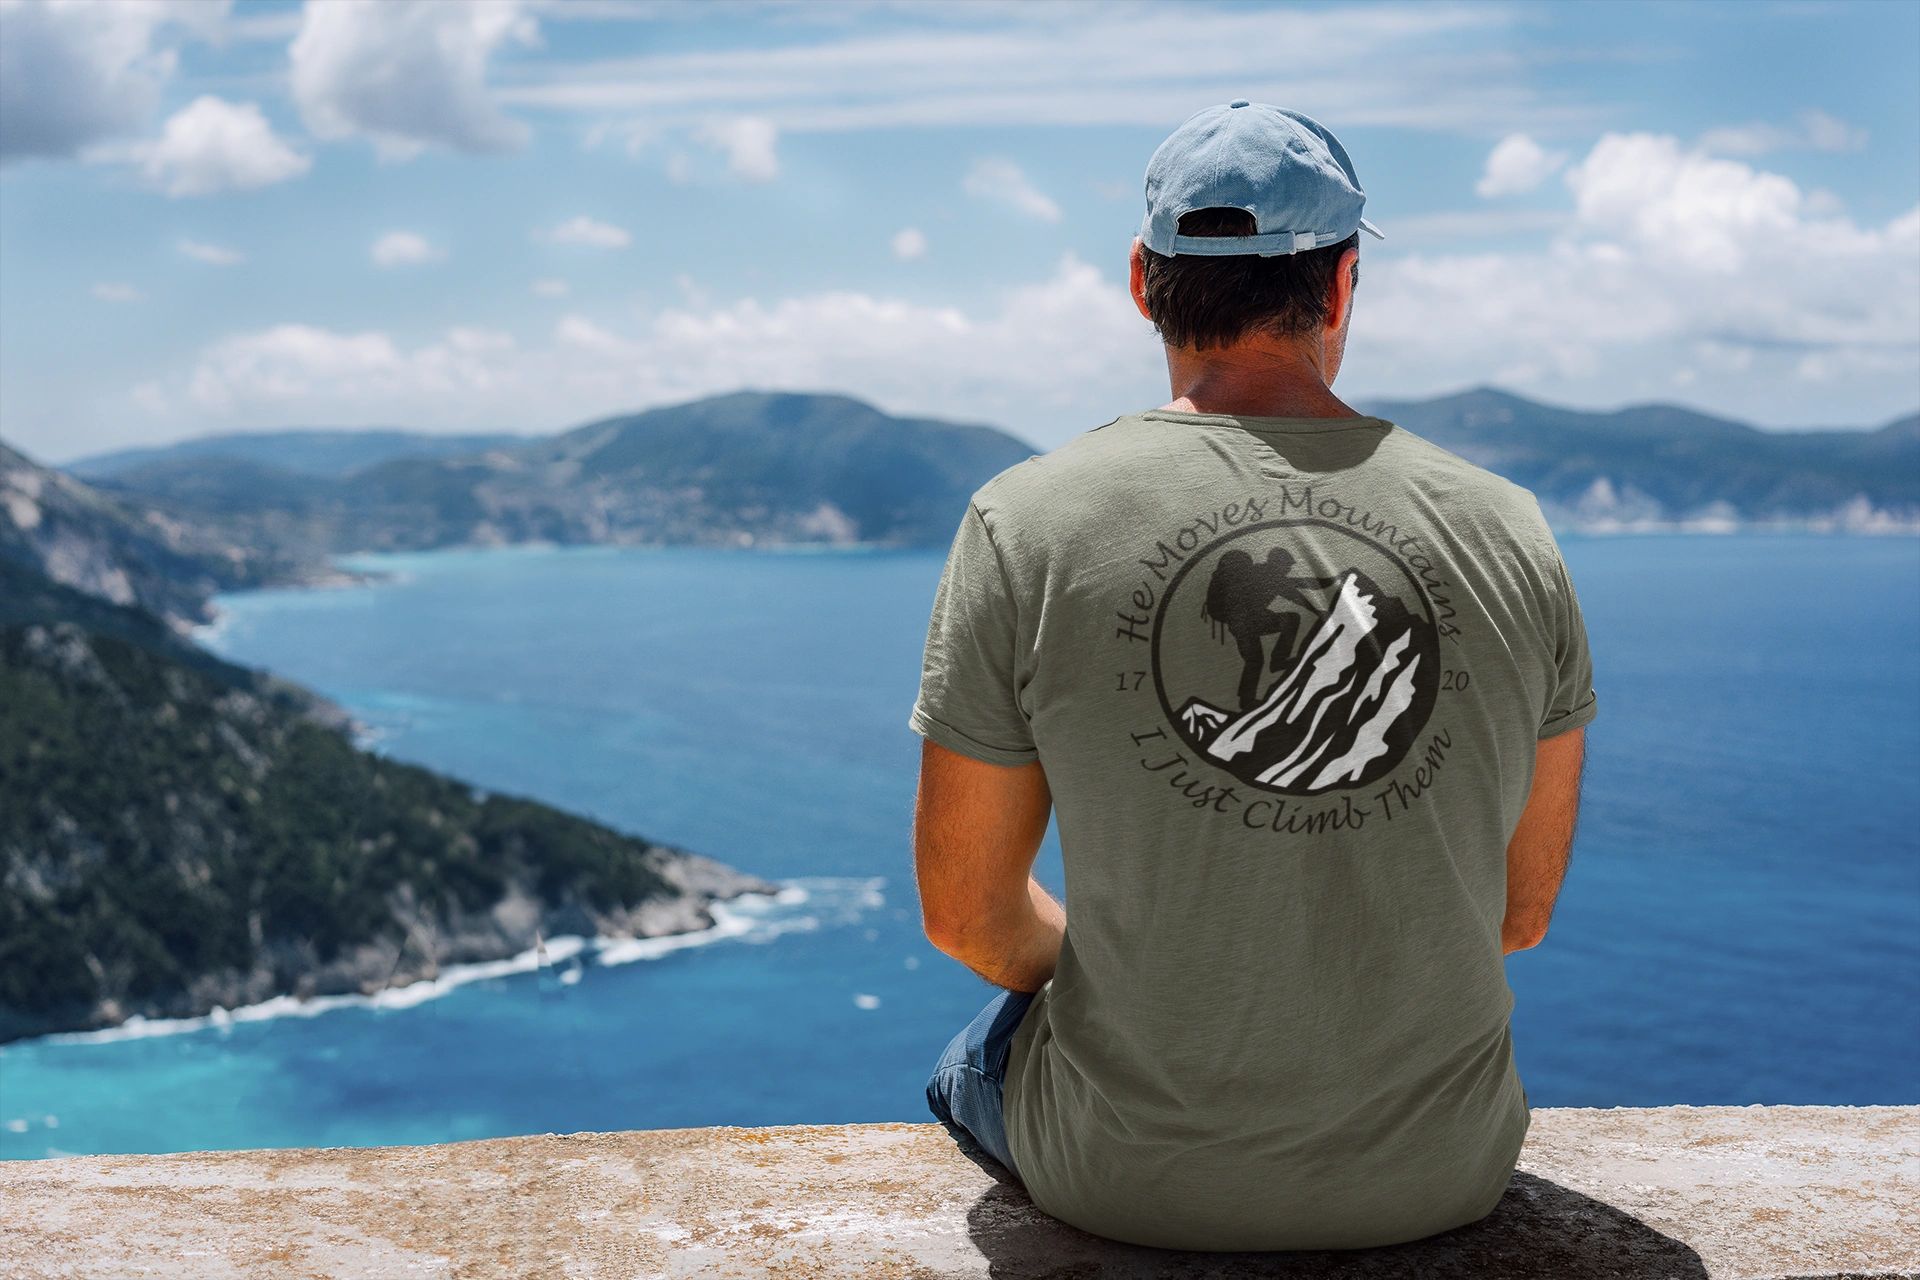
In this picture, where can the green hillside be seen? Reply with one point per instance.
(741, 469)
(179, 833)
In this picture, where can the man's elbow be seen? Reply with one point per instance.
(1523, 935)
(967, 934)
(949, 933)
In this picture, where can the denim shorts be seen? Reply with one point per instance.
(965, 1089)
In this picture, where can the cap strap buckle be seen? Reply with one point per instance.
(1271, 244)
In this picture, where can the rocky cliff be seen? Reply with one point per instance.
(121, 550)
(177, 838)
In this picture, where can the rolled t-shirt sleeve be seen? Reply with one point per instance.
(970, 674)
(1572, 701)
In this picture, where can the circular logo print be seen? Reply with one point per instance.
(1297, 655)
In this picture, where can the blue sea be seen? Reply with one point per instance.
(1741, 922)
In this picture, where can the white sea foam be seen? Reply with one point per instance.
(210, 633)
(728, 922)
(754, 917)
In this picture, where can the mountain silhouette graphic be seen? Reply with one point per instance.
(1343, 712)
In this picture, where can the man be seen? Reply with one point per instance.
(1279, 1016)
(1240, 598)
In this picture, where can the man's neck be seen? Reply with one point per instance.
(1265, 379)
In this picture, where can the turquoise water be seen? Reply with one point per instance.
(1738, 925)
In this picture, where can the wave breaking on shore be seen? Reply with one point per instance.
(803, 904)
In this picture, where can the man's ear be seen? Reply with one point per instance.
(1137, 277)
(1343, 285)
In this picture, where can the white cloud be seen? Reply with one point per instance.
(1069, 352)
(212, 145)
(115, 291)
(1517, 164)
(1812, 130)
(594, 234)
(550, 287)
(405, 249)
(909, 243)
(407, 73)
(750, 144)
(212, 254)
(78, 72)
(1674, 263)
(1673, 269)
(1681, 205)
(1394, 64)
(1002, 182)
(294, 364)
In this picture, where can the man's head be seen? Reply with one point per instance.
(1206, 303)
(1251, 236)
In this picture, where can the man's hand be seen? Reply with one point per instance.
(1542, 843)
(977, 828)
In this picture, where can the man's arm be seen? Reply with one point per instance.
(1537, 855)
(977, 828)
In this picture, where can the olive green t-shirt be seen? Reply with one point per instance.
(1286, 678)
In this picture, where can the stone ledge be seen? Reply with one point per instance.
(1735, 1193)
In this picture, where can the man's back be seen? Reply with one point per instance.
(1285, 678)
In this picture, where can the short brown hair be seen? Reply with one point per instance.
(1201, 302)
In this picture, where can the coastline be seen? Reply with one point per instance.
(751, 916)
(354, 570)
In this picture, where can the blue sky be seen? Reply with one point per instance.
(521, 215)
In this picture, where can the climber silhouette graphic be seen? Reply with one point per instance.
(1240, 600)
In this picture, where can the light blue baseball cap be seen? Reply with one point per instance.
(1285, 168)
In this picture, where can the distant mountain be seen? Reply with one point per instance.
(1653, 465)
(311, 452)
(56, 526)
(179, 834)
(757, 468)
(751, 468)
